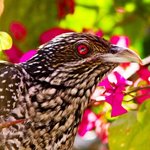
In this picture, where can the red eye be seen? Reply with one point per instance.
(82, 49)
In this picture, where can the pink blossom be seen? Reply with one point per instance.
(120, 10)
(26, 56)
(18, 30)
(88, 122)
(114, 87)
(120, 40)
(13, 54)
(99, 33)
(51, 33)
(144, 95)
(101, 130)
(144, 73)
(91, 121)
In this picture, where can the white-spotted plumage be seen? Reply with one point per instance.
(49, 93)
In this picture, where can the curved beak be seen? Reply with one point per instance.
(119, 54)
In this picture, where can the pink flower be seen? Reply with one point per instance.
(65, 7)
(120, 40)
(102, 130)
(143, 95)
(144, 73)
(26, 56)
(114, 87)
(120, 10)
(13, 54)
(18, 30)
(99, 33)
(51, 33)
(88, 122)
(91, 121)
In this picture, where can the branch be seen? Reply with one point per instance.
(146, 62)
(137, 89)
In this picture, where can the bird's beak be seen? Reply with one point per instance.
(119, 54)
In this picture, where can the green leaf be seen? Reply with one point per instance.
(131, 131)
(144, 112)
(5, 41)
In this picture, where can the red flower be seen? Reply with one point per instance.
(13, 54)
(65, 7)
(18, 30)
(125, 65)
(51, 33)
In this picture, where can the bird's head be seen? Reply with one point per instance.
(77, 60)
(78, 54)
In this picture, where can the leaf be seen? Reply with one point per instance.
(143, 112)
(131, 131)
(5, 41)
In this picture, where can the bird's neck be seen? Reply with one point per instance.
(58, 113)
(38, 66)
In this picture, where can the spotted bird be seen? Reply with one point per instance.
(43, 99)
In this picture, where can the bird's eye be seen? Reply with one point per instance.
(82, 49)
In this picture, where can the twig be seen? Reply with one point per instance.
(146, 61)
(11, 123)
(137, 89)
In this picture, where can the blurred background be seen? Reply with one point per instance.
(32, 23)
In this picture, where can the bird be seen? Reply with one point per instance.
(43, 99)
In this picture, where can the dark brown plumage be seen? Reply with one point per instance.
(51, 90)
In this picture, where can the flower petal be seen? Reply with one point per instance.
(28, 55)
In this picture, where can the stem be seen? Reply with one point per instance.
(11, 123)
(137, 89)
(146, 62)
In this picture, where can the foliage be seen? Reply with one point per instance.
(126, 23)
(5, 41)
(133, 127)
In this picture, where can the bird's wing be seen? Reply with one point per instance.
(10, 79)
